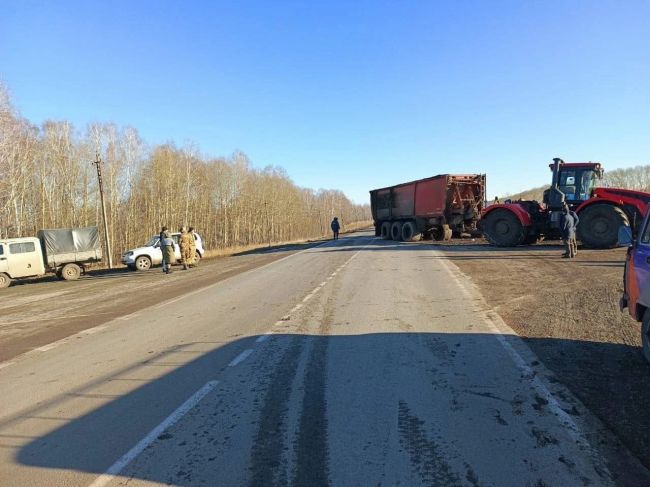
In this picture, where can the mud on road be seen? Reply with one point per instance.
(567, 312)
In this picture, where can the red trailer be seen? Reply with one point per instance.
(437, 207)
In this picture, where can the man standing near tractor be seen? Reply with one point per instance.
(568, 229)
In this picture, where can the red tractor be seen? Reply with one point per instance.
(602, 211)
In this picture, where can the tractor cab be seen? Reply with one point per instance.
(573, 183)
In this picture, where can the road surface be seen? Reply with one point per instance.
(356, 362)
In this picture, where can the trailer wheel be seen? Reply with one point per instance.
(396, 231)
(502, 228)
(5, 280)
(442, 233)
(143, 263)
(385, 230)
(599, 224)
(409, 232)
(71, 272)
(645, 335)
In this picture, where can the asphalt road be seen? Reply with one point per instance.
(357, 362)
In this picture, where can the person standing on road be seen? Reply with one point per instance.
(195, 238)
(336, 226)
(167, 248)
(567, 228)
(185, 241)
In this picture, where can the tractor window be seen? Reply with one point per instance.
(587, 184)
(567, 184)
(2, 249)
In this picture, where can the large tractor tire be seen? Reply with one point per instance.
(502, 228)
(410, 232)
(599, 224)
(396, 231)
(385, 230)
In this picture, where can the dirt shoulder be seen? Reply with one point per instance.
(567, 312)
(36, 312)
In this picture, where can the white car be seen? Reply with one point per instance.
(149, 255)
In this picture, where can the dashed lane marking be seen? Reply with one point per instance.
(172, 419)
(241, 357)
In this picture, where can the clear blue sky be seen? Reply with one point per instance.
(348, 94)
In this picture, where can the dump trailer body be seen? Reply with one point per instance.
(438, 206)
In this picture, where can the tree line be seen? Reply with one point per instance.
(636, 178)
(47, 180)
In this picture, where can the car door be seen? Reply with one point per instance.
(4, 263)
(24, 259)
(637, 271)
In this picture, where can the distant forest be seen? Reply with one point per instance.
(637, 178)
(47, 180)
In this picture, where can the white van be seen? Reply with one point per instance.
(20, 257)
(149, 255)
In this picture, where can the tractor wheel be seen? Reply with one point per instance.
(599, 224)
(410, 232)
(645, 335)
(396, 231)
(531, 239)
(385, 230)
(502, 228)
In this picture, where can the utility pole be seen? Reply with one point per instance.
(98, 163)
(268, 222)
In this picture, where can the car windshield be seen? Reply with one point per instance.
(152, 242)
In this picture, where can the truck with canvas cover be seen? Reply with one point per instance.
(65, 252)
(602, 211)
(438, 207)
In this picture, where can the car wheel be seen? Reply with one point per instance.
(5, 280)
(197, 259)
(71, 272)
(143, 263)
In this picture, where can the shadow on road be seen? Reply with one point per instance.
(89, 443)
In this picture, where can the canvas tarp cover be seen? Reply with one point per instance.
(70, 240)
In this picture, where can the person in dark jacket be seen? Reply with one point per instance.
(167, 248)
(574, 242)
(568, 230)
(335, 228)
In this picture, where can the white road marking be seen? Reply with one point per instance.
(262, 338)
(241, 357)
(172, 419)
(91, 331)
(50, 346)
(491, 319)
(6, 364)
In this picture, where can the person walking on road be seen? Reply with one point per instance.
(167, 248)
(196, 243)
(568, 230)
(336, 226)
(186, 242)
